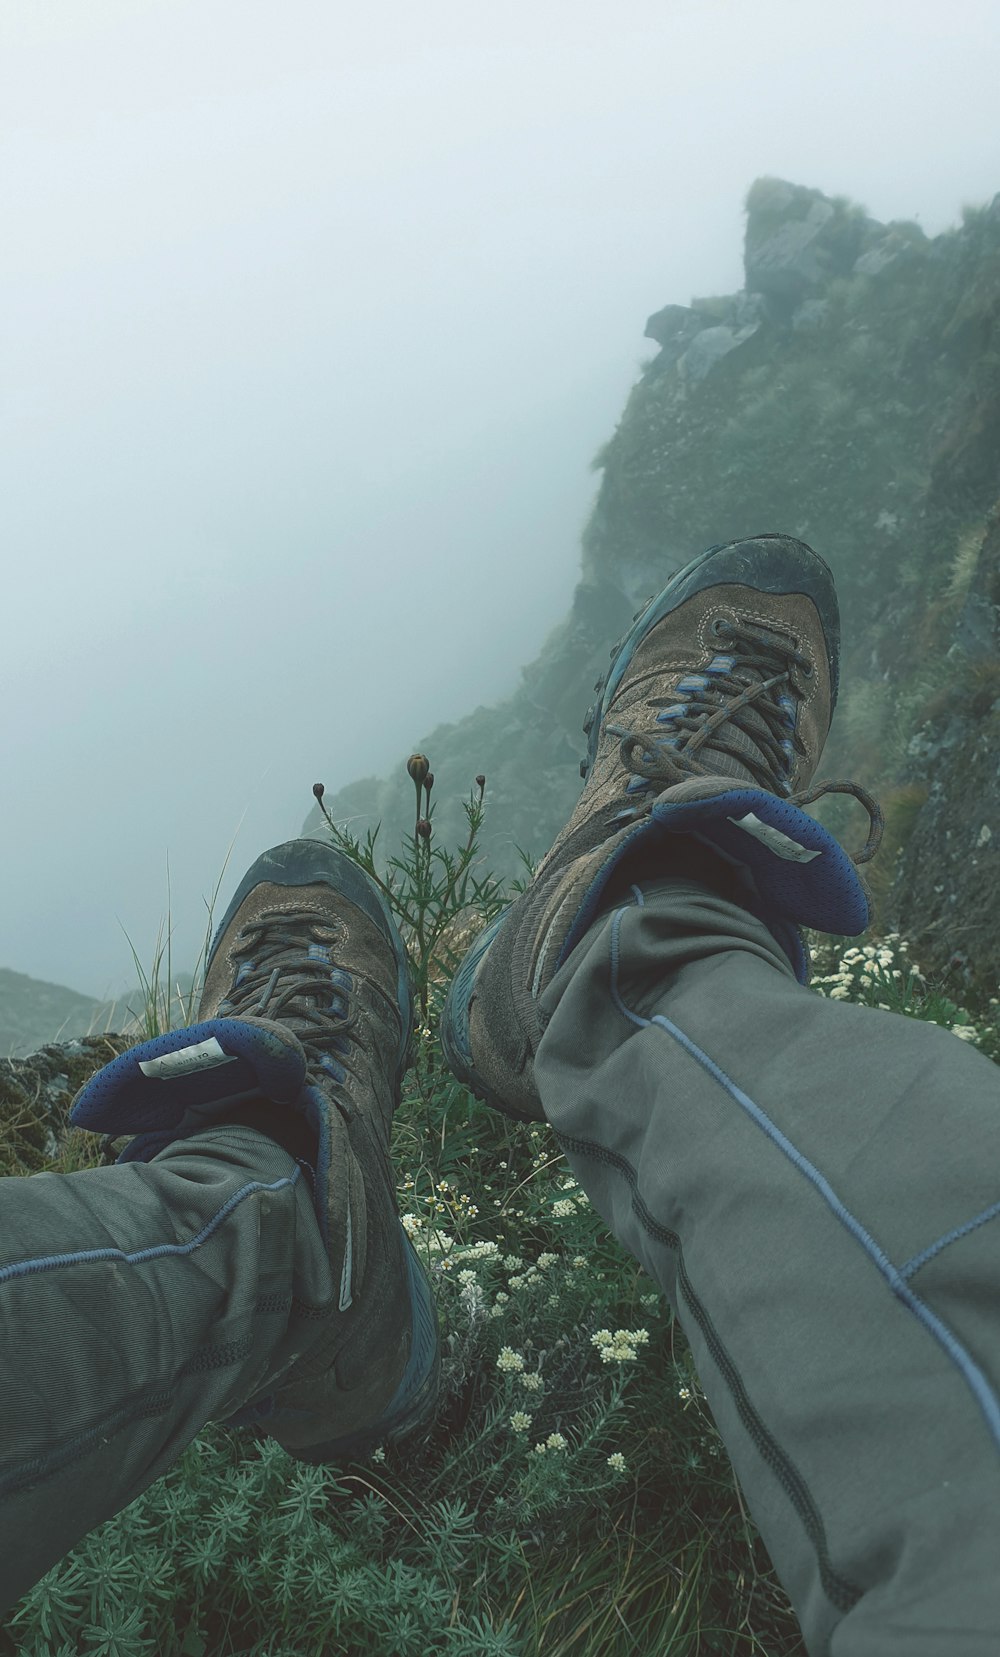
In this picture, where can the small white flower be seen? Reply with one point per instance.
(546, 1260)
(532, 1383)
(617, 1461)
(509, 1360)
(555, 1441)
(562, 1208)
(520, 1421)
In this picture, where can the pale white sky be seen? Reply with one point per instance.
(312, 317)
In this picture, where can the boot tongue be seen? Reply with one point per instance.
(721, 763)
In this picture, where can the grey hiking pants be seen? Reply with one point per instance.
(815, 1187)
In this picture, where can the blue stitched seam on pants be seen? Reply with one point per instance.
(47, 1262)
(976, 1380)
(839, 1589)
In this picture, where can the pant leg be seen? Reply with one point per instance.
(138, 1302)
(815, 1186)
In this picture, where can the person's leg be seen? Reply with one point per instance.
(138, 1302)
(816, 1188)
(243, 1261)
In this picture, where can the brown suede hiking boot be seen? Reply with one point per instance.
(305, 1028)
(704, 738)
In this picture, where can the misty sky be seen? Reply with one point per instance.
(313, 318)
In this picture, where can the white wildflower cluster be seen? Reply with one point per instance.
(546, 1260)
(624, 1343)
(965, 1032)
(520, 1421)
(555, 1441)
(531, 1383)
(510, 1361)
(563, 1208)
(875, 961)
(617, 1461)
(443, 1197)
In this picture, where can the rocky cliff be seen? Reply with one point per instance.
(849, 394)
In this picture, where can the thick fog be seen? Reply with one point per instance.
(313, 318)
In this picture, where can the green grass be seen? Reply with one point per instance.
(574, 1497)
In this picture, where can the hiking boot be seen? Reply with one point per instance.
(704, 737)
(304, 1032)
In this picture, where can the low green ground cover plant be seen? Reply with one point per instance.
(574, 1496)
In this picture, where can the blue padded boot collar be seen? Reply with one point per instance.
(799, 874)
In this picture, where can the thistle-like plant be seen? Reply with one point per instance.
(438, 898)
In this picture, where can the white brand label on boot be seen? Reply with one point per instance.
(774, 840)
(204, 1055)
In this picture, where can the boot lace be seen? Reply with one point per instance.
(750, 673)
(286, 973)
